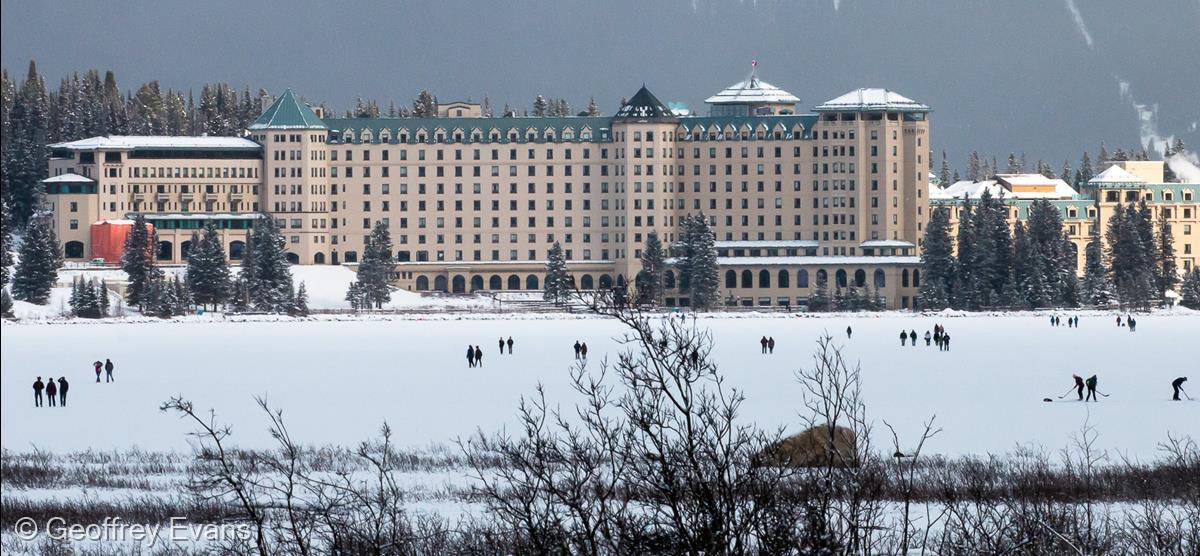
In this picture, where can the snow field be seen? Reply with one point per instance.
(336, 382)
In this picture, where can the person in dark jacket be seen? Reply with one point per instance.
(51, 391)
(1177, 384)
(771, 344)
(577, 348)
(1118, 321)
(912, 337)
(945, 342)
(1091, 388)
(903, 337)
(38, 386)
(108, 368)
(763, 343)
(510, 342)
(849, 332)
(1078, 386)
(1132, 324)
(98, 366)
(478, 357)
(928, 338)
(470, 356)
(583, 351)
(62, 390)
(502, 345)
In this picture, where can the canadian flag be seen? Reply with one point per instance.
(754, 63)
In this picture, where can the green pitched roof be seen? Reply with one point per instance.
(644, 106)
(287, 112)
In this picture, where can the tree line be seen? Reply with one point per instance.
(979, 168)
(1033, 264)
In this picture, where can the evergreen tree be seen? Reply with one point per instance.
(182, 296)
(5, 244)
(698, 262)
(301, 301)
(937, 262)
(376, 266)
(425, 105)
(137, 261)
(265, 268)
(102, 297)
(208, 277)
(974, 167)
(819, 300)
(1167, 276)
(37, 269)
(944, 173)
(1131, 263)
(650, 287)
(1097, 288)
(592, 109)
(1190, 291)
(1065, 175)
(354, 294)
(960, 296)
(557, 286)
(1014, 166)
(1085, 173)
(540, 106)
(27, 131)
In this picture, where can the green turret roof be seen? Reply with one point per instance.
(288, 112)
(644, 106)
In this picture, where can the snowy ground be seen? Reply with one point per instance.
(337, 381)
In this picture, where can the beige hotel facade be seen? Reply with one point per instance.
(475, 203)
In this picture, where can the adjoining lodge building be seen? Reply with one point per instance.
(475, 203)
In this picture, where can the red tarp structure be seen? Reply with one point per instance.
(108, 239)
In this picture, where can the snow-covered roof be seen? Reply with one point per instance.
(1115, 174)
(975, 189)
(755, 244)
(118, 221)
(69, 177)
(130, 142)
(871, 100)
(886, 243)
(204, 216)
(811, 261)
(753, 91)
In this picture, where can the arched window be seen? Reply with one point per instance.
(860, 278)
(764, 278)
(730, 279)
(822, 277)
(422, 283)
(904, 278)
(237, 250)
(531, 282)
(747, 279)
(73, 250)
(880, 278)
(841, 278)
(586, 282)
(459, 284)
(319, 258)
(785, 279)
(185, 250)
(293, 258)
(476, 283)
(669, 280)
(439, 283)
(605, 282)
(802, 278)
(165, 251)
(514, 282)
(495, 283)
(351, 256)
(916, 277)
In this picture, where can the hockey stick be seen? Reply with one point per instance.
(1068, 392)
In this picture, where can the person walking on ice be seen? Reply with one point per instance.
(928, 338)
(502, 345)
(51, 391)
(583, 351)
(1091, 388)
(470, 356)
(763, 343)
(98, 366)
(945, 342)
(1177, 385)
(912, 337)
(38, 386)
(903, 338)
(478, 357)
(62, 390)
(108, 368)
(849, 332)
(577, 348)
(771, 345)
(510, 342)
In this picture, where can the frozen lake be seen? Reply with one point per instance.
(338, 381)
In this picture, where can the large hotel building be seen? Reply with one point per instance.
(474, 203)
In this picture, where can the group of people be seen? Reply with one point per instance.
(508, 343)
(1091, 382)
(474, 356)
(768, 344)
(1129, 320)
(54, 392)
(1072, 322)
(938, 336)
(580, 350)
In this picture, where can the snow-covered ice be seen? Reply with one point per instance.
(338, 381)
